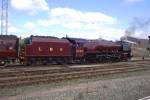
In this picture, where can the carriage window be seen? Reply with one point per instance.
(79, 44)
(10, 48)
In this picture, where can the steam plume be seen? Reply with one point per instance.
(138, 26)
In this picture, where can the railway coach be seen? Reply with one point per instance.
(8, 48)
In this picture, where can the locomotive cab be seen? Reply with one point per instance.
(78, 50)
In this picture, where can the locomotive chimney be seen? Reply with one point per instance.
(149, 39)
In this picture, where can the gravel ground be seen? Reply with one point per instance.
(127, 86)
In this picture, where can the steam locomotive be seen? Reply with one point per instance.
(47, 49)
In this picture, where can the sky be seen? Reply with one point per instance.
(91, 19)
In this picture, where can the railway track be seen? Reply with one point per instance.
(36, 70)
(16, 78)
(56, 65)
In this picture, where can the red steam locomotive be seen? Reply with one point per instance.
(46, 49)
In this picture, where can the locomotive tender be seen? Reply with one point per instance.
(46, 49)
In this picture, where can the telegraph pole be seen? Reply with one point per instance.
(4, 17)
